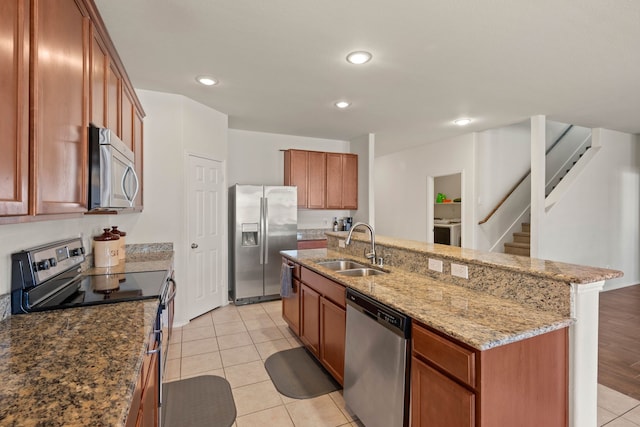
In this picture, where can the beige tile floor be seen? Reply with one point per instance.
(233, 342)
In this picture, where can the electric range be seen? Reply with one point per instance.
(49, 277)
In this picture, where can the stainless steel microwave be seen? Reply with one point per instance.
(113, 182)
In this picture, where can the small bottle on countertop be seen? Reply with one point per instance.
(335, 224)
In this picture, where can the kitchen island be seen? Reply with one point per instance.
(505, 302)
(78, 366)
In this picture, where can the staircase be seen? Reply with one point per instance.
(521, 242)
(570, 164)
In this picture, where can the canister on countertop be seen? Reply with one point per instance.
(105, 249)
(122, 234)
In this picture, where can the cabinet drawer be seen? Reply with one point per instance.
(295, 273)
(327, 287)
(452, 358)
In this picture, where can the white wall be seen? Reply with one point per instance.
(503, 158)
(174, 126)
(17, 237)
(597, 222)
(364, 147)
(255, 158)
(401, 186)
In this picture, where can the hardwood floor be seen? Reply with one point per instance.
(619, 340)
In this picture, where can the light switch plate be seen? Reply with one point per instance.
(341, 244)
(435, 265)
(459, 270)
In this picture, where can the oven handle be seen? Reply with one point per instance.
(158, 334)
(175, 291)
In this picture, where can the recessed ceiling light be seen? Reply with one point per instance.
(206, 80)
(342, 104)
(462, 122)
(359, 57)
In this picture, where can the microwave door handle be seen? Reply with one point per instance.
(124, 190)
(137, 182)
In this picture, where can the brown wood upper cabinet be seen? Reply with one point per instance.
(14, 107)
(307, 171)
(59, 90)
(324, 180)
(59, 72)
(342, 181)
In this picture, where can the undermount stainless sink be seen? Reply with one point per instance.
(361, 272)
(341, 264)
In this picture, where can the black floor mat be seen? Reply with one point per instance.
(297, 374)
(200, 401)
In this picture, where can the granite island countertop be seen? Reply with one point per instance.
(476, 318)
(77, 366)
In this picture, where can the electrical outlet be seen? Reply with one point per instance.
(341, 244)
(459, 270)
(435, 265)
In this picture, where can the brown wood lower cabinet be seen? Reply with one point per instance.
(332, 335)
(322, 318)
(524, 383)
(310, 319)
(291, 304)
(144, 410)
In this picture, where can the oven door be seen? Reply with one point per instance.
(166, 317)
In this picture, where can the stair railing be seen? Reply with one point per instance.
(504, 199)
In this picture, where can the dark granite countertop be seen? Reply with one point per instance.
(77, 366)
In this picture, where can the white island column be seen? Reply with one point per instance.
(583, 355)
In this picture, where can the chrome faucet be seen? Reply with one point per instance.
(371, 255)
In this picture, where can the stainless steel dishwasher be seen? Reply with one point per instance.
(376, 374)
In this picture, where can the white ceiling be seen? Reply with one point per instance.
(281, 63)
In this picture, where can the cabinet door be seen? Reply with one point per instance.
(334, 180)
(291, 307)
(349, 181)
(99, 61)
(310, 319)
(437, 401)
(150, 395)
(113, 98)
(342, 181)
(127, 118)
(59, 89)
(14, 107)
(296, 163)
(317, 180)
(332, 336)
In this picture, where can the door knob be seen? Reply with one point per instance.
(194, 245)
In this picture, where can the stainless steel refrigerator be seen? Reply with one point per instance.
(263, 220)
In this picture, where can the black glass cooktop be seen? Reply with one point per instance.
(108, 288)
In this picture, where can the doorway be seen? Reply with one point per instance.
(444, 209)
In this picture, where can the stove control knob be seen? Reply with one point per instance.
(53, 262)
(77, 251)
(44, 265)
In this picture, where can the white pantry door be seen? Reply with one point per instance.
(206, 289)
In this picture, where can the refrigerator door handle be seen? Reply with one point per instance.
(261, 234)
(266, 230)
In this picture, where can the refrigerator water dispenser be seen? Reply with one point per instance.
(250, 234)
